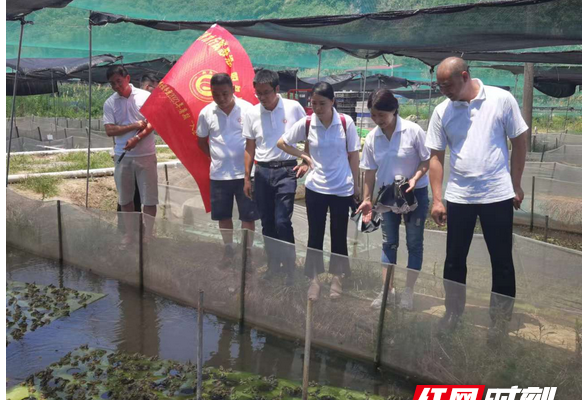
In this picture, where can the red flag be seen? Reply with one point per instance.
(175, 104)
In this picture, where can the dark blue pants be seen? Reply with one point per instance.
(275, 189)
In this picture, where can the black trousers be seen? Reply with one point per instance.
(317, 205)
(496, 220)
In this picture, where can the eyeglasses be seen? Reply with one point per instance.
(266, 93)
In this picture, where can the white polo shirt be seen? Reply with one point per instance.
(328, 149)
(227, 143)
(267, 127)
(476, 134)
(401, 155)
(119, 110)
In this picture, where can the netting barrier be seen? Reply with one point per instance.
(551, 141)
(544, 344)
(72, 142)
(53, 123)
(567, 154)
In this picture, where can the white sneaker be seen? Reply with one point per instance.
(406, 299)
(377, 303)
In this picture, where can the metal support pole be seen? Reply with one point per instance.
(166, 175)
(59, 231)
(22, 24)
(39, 131)
(534, 142)
(17, 134)
(296, 81)
(307, 344)
(532, 205)
(54, 105)
(89, 108)
(243, 280)
(550, 119)
(318, 73)
(430, 95)
(199, 358)
(389, 275)
(546, 226)
(543, 152)
(566, 119)
(141, 278)
(363, 97)
(556, 143)
(528, 100)
(515, 87)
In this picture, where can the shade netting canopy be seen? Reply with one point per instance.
(17, 9)
(30, 86)
(158, 67)
(56, 67)
(553, 81)
(488, 26)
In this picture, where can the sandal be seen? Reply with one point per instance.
(314, 290)
(336, 288)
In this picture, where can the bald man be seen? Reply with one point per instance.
(474, 122)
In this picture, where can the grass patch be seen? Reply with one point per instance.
(21, 163)
(46, 186)
(79, 160)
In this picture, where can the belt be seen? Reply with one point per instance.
(277, 164)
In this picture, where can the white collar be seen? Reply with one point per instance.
(216, 108)
(133, 91)
(399, 127)
(280, 105)
(315, 121)
(481, 96)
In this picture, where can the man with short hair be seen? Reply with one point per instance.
(275, 171)
(220, 136)
(149, 82)
(134, 150)
(475, 122)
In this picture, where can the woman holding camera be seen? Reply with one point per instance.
(396, 149)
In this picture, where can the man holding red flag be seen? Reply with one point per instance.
(220, 137)
(134, 150)
(174, 106)
(275, 172)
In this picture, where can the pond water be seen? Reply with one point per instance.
(145, 323)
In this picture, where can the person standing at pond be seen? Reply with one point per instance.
(396, 147)
(132, 137)
(332, 156)
(220, 137)
(149, 82)
(275, 171)
(475, 122)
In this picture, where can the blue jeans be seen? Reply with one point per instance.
(415, 229)
(274, 193)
